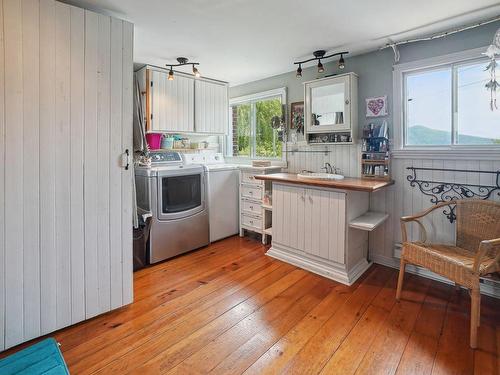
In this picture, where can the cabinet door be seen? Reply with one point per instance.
(325, 224)
(328, 105)
(288, 216)
(211, 107)
(172, 103)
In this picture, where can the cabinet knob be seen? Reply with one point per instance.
(347, 101)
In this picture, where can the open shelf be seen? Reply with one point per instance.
(369, 220)
(374, 161)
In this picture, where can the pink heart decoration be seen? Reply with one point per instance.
(375, 106)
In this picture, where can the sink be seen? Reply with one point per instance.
(321, 176)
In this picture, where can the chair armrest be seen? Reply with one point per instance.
(426, 212)
(406, 219)
(404, 234)
(484, 248)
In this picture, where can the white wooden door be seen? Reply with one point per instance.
(211, 107)
(289, 216)
(65, 200)
(172, 103)
(325, 224)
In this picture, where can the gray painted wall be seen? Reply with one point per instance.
(374, 68)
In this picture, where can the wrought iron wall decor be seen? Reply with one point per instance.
(441, 191)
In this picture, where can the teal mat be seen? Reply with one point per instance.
(42, 358)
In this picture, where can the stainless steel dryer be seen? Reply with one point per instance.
(176, 194)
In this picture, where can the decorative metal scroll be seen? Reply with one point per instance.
(441, 191)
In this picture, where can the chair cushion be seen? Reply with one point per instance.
(449, 261)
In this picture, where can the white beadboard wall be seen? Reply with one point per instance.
(401, 199)
(65, 200)
(302, 156)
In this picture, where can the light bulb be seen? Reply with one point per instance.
(321, 69)
(299, 72)
(196, 72)
(341, 62)
(171, 75)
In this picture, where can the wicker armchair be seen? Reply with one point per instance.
(475, 254)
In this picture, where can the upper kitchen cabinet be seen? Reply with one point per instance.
(211, 106)
(172, 102)
(184, 104)
(331, 109)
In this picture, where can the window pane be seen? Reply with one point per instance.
(428, 107)
(476, 122)
(241, 129)
(266, 142)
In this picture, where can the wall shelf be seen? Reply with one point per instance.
(369, 220)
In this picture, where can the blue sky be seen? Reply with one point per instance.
(430, 104)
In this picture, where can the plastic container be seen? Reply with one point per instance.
(167, 143)
(154, 140)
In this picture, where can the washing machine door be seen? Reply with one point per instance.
(181, 193)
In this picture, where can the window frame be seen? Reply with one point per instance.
(400, 71)
(251, 99)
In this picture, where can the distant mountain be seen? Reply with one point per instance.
(422, 135)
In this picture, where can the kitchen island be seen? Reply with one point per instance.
(322, 225)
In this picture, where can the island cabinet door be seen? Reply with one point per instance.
(288, 216)
(324, 224)
(310, 221)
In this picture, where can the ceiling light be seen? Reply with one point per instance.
(341, 62)
(196, 72)
(318, 56)
(299, 72)
(321, 69)
(181, 62)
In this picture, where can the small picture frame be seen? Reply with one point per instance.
(376, 106)
(297, 116)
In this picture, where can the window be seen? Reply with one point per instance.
(251, 134)
(445, 103)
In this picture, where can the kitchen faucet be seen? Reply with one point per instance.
(329, 169)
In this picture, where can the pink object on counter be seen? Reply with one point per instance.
(154, 140)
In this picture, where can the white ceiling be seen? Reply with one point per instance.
(245, 40)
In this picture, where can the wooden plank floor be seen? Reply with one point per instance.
(229, 309)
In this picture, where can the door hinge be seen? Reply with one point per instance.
(151, 83)
(151, 116)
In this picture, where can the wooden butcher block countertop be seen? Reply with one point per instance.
(348, 183)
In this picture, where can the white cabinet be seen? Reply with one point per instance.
(211, 107)
(311, 231)
(310, 221)
(184, 104)
(253, 216)
(331, 109)
(172, 103)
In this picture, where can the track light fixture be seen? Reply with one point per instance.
(319, 55)
(181, 62)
